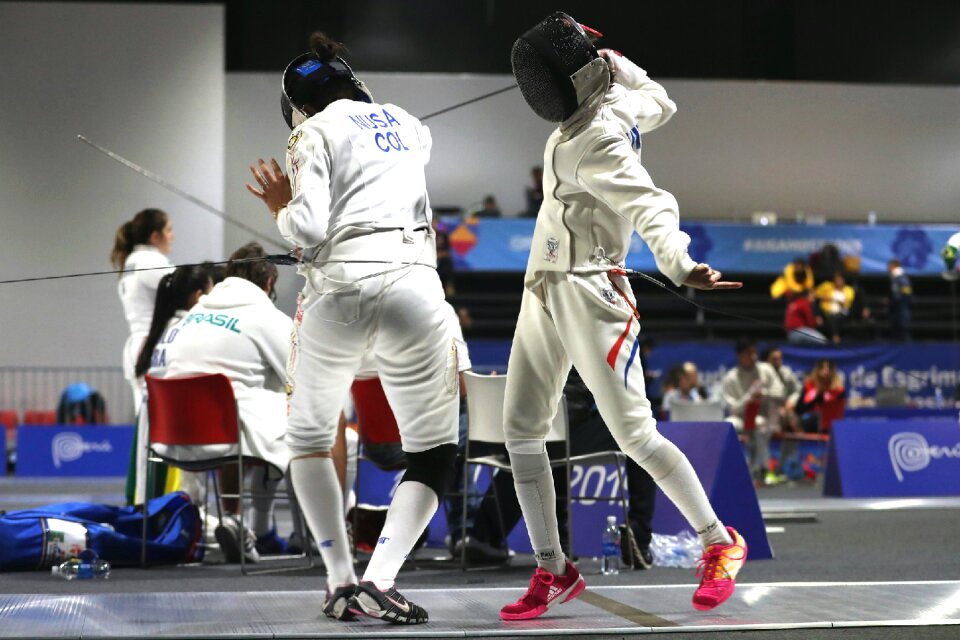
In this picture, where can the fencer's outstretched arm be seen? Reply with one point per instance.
(648, 100)
(611, 172)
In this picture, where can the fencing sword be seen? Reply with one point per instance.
(209, 208)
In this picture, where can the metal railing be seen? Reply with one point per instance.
(38, 389)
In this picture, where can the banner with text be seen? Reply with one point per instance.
(503, 244)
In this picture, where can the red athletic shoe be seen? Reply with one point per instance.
(718, 572)
(546, 590)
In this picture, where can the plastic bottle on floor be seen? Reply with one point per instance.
(610, 561)
(682, 550)
(85, 566)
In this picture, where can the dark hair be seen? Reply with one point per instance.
(766, 353)
(134, 232)
(217, 271)
(327, 49)
(259, 272)
(173, 294)
(743, 344)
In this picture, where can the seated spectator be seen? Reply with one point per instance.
(836, 299)
(796, 279)
(685, 387)
(236, 330)
(823, 398)
(490, 209)
(176, 293)
(751, 391)
(800, 322)
(534, 193)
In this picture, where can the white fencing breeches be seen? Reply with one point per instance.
(400, 318)
(581, 320)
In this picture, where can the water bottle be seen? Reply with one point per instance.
(85, 566)
(938, 397)
(610, 562)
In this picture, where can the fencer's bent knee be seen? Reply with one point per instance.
(658, 457)
(303, 442)
(433, 467)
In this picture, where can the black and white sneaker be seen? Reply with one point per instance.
(387, 605)
(336, 604)
(233, 542)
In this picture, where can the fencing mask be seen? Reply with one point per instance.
(306, 76)
(546, 58)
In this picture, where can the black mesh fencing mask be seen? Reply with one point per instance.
(543, 60)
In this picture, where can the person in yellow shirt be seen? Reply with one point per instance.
(835, 298)
(797, 278)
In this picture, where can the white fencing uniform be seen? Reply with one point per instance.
(236, 330)
(138, 294)
(158, 369)
(596, 193)
(360, 210)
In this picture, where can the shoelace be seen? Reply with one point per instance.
(709, 566)
(539, 576)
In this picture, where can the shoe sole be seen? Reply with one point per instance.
(340, 611)
(572, 592)
(228, 545)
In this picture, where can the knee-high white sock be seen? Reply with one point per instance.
(264, 489)
(674, 474)
(353, 442)
(414, 503)
(538, 501)
(318, 491)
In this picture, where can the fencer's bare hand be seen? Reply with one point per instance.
(704, 277)
(274, 186)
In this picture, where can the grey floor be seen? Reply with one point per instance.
(844, 569)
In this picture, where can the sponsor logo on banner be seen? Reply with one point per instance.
(70, 447)
(910, 452)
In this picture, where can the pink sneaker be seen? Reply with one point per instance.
(545, 591)
(718, 572)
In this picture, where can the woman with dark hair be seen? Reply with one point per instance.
(140, 249)
(176, 293)
(356, 203)
(236, 330)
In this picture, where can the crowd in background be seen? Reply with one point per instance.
(824, 299)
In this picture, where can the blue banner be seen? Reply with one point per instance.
(504, 244)
(71, 450)
(893, 458)
(920, 368)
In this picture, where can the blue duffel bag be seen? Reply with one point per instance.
(46, 536)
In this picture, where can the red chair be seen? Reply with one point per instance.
(199, 411)
(375, 419)
(39, 417)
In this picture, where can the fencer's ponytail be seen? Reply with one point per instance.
(134, 232)
(325, 47)
(173, 294)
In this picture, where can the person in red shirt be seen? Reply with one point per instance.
(800, 322)
(823, 398)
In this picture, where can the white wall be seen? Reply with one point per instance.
(733, 148)
(145, 81)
